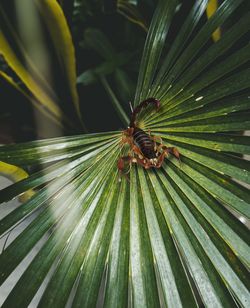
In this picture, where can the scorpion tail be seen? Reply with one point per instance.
(143, 105)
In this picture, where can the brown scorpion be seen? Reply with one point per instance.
(143, 147)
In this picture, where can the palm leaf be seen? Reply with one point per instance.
(169, 237)
(131, 12)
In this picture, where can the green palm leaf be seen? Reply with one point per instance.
(169, 237)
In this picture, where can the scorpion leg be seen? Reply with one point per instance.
(161, 158)
(144, 163)
(121, 165)
(155, 139)
(168, 150)
(137, 151)
(174, 151)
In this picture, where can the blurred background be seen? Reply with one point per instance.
(108, 37)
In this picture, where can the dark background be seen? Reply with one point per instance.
(17, 121)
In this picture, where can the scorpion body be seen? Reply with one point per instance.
(144, 143)
(144, 149)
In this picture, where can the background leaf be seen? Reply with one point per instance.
(32, 64)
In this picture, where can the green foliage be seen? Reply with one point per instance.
(168, 237)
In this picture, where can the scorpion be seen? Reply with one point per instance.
(144, 149)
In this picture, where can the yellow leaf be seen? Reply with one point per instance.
(131, 12)
(211, 9)
(26, 77)
(29, 47)
(16, 174)
(57, 26)
(36, 104)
